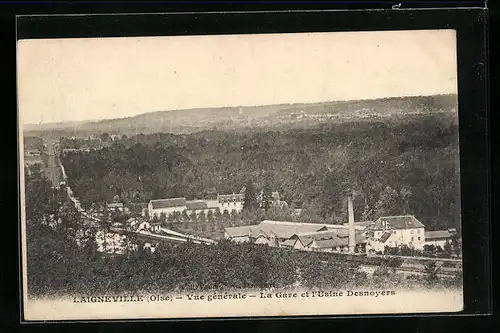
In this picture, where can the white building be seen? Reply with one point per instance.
(166, 206)
(230, 202)
(395, 231)
(201, 206)
(223, 202)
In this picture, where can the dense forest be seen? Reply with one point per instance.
(33, 143)
(405, 166)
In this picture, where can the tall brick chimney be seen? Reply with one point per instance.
(352, 230)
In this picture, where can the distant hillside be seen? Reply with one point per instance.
(230, 118)
(52, 126)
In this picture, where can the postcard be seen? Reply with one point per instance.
(245, 175)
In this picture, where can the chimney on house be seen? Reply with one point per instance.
(352, 230)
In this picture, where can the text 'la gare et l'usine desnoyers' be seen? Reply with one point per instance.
(230, 296)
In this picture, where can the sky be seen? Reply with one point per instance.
(103, 78)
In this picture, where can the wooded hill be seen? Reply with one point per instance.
(249, 117)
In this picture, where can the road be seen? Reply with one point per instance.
(52, 171)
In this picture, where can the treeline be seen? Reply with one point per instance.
(408, 166)
(33, 143)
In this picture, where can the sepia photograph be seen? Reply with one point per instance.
(245, 175)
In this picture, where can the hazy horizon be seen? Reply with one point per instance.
(88, 79)
(220, 107)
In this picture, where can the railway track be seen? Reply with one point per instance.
(446, 268)
(410, 271)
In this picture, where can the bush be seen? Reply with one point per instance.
(393, 262)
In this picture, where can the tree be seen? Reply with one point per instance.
(104, 225)
(70, 218)
(210, 221)
(429, 248)
(367, 213)
(235, 218)
(41, 200)
(105, 137)
(217, 219)
(447, 248)
(194, 217)
(202, 218)
(250, 200)
(388, 203)
(431, 271)
(210, 217)
(457, 245)
(267, 196)
(177, 217)
(405, 197)
(164, 219)
(226, 218)
(185, 216)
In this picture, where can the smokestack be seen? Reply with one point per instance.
(352, 230)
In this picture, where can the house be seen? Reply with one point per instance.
(230, 202)
(263, 238)
(439, 237)
(116, 205)
(166, 206)
(289, 243)
(144, 225)
(275, 199)
(32, 152)
(155, 226)
(32, 161)
(32, 157)
(133, 223)
(241, 234)
(394, 231)
(331, 240)
(297, 243)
